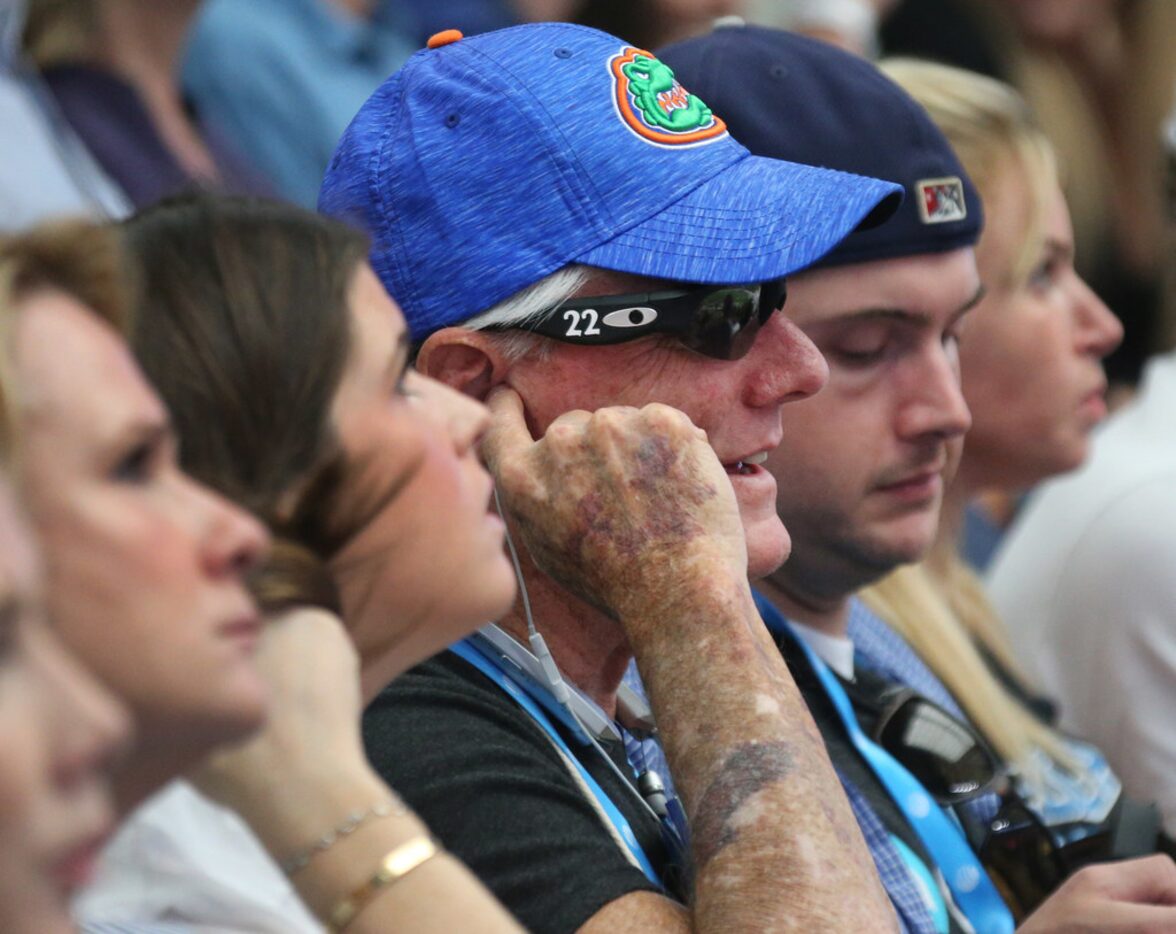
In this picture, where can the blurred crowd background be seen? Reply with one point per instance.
(118, 102)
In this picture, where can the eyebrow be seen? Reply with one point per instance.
(905, 314)
(401, 356)
(144, 431)
(977, 297)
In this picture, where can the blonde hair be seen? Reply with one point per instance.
(940, 613)
(939, 606)
(991, 128)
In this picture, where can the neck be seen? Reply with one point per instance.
(388, 638)
(143, 41)
(828, 614)
(589, 647)
(148, 768)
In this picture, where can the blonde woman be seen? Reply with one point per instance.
(1030, 356)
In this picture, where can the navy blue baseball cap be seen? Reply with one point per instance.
(489, 162)
(790, 97)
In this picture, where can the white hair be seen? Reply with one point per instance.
(526, 306)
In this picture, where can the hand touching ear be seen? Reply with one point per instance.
(610, 498)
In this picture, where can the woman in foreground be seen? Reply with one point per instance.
(61, 731)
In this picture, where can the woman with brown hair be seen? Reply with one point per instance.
(285, 367)
(266, 322)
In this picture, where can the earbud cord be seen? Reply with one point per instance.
(555, 681)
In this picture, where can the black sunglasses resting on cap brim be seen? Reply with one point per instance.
(715, 321)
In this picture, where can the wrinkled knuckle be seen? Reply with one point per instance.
(666, 418)
(563, 435)
(611, 426)
(614, 418)
(606, 419)
(567, 422)
(514, 477)
(1089, 878)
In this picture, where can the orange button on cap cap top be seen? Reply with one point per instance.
(444, 37)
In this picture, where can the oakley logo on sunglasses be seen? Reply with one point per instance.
(630, 317)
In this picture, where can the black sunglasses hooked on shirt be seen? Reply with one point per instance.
(948, 757)
(1025, 858)
(716, 321)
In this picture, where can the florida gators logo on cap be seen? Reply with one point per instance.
(655, 106)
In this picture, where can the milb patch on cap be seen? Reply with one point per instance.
(941, 200)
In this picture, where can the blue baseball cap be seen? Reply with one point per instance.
(489, 162)
(790, 97)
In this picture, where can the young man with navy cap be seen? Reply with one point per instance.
(575, 236)
(860, 471)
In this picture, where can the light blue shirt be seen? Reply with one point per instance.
(283, 78)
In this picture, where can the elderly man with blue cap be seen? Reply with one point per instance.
(574, 236)
(859, 487)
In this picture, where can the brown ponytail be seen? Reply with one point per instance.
(242, 323)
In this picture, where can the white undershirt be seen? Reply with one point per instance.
(834, 651)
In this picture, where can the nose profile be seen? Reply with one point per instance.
(1099, 329)
(788, 366)
(934, 404)
(234, 541)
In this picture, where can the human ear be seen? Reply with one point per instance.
(465, 360)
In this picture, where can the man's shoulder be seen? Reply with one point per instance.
(446, 694)
(494, 789)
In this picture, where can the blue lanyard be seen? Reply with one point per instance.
(970, 885)
(470, 652)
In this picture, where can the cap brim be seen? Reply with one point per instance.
(756, 220)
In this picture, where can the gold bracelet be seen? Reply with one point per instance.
(393, 867)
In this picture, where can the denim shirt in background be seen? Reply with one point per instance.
(283, 78)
